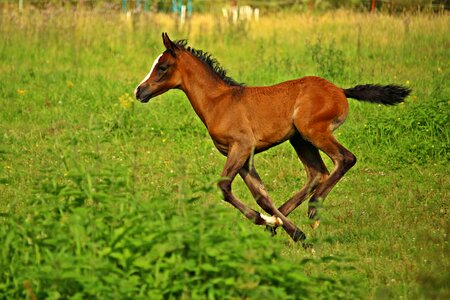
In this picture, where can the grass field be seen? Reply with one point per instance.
(101, 196)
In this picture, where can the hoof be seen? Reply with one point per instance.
(312, 212)
(312, 215)
(315, 224)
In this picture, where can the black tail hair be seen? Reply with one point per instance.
(382, 94)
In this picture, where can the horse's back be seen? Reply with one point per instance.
(310, 96)
(272, 114)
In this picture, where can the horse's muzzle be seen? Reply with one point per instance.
(142, 95)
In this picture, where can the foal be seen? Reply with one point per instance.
(243, 121)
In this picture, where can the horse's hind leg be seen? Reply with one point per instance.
(342, 158)
(315, 168)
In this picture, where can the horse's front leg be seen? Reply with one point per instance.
(256, 187)
(237, 157)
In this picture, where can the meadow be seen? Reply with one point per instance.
(104, 197)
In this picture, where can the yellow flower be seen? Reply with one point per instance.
(21, 92)
(407, 82)
(69, 84)
(126, 101)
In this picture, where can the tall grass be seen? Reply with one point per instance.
(104, 197)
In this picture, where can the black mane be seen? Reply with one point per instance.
(210, 61)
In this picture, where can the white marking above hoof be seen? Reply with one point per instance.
(272, 221)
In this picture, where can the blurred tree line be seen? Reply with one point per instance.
(263, 5)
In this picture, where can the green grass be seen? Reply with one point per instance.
(81, 163)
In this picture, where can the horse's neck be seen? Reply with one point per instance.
(204, 90)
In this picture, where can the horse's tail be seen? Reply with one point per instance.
(382, 94)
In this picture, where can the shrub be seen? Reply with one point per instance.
(91, 236)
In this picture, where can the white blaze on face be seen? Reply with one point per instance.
(149, 73)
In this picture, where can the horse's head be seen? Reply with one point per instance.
(163, 75)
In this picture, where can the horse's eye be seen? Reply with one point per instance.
(163, 67)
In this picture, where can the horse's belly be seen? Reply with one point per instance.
(266, 139)
(222, 147)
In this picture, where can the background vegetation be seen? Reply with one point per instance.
(266, 6)
(104, 197)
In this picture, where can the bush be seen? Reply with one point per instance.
(90, 236)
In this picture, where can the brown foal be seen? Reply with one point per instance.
(243, 121)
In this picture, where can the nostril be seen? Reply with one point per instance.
(137, 92)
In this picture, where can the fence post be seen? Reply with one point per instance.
(183, 15)
(20, 4)
(174, 6)
(138, 5)
(189, 8)
(372, 9)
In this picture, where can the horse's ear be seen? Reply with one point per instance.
(171, 46)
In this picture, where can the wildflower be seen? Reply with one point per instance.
(439, 69)
(70, 84)
(21, 92)
(407, 82)
(126, 101)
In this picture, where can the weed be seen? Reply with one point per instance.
(330, 61)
